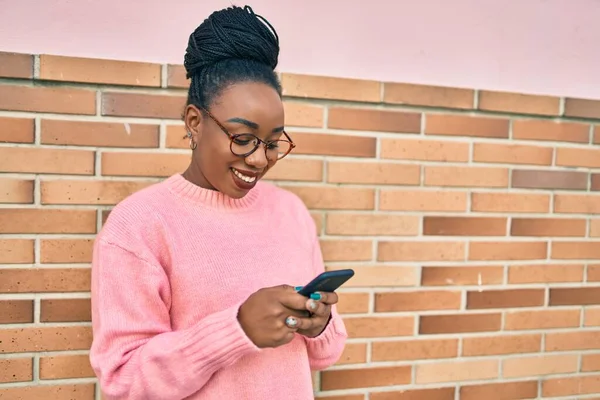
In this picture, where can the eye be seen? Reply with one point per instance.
(243, 140)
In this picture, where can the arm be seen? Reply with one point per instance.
(135, 354)
(325, 349)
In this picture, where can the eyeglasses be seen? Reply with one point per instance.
(244, 144)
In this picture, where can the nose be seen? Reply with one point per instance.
(258, 159)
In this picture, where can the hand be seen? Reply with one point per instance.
(320, 307)
(264, 314)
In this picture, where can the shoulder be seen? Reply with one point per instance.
(139, 213)
(287, 200)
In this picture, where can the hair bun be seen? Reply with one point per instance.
(232, 33)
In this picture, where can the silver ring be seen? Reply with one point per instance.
(291, 322)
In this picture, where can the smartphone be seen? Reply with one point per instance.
(328, 281)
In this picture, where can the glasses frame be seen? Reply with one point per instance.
(232, 137)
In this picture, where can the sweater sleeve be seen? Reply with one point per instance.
(326, 349)
(135, 353)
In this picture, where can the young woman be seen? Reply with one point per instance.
(191, 277)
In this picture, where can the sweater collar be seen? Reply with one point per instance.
(208, 198)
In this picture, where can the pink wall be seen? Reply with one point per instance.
(535, 46)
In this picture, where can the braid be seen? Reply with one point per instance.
(231, 45)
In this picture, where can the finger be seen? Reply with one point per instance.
(301, 323)
(318, 308)
(325, 297)
(293, 300)
(297, 313)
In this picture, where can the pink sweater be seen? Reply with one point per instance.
(170, 269)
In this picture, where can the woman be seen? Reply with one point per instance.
(190, 277)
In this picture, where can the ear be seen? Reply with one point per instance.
(193, 119)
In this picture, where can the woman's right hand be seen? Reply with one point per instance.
(263, 315)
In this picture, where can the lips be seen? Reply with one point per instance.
(244, 180)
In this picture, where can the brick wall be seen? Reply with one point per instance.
(472, 219)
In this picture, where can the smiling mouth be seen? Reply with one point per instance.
(245, 178)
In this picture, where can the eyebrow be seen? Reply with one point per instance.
(251, 124)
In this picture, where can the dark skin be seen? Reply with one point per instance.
(251, 108)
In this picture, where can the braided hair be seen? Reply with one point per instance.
(232, 45)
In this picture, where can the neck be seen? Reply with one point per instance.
(195, 176)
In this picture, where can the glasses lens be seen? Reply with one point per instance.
(243, 144)
(277, 149)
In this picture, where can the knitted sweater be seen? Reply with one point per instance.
(171, 267)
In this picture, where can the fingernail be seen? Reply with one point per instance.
(315, 296)
(297, 288)
(312, 305)
(291, 322)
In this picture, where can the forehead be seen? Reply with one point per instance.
(255, 102)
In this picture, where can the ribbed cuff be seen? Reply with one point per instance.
(217, 341)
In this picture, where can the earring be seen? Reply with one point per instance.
(193, 144)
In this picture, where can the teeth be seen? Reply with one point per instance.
(245, 178)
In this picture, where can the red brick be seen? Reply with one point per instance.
(66, 250)
(456, 371)
(575, 250)
(65, 310)
(462, 276)
(16, 130)
(582, 108)
(89, 70)
(303, 114)
(459, 323)
(425, 150)
(16, 65)
(518, 103)
(63, 191)
(548, 227)
(540, 365)
(512, 154)
(55, 392)
(15, 369)
(560, 180)
(461, 125)
(489, 251)
(16, 191)
(176, 77)
(380, 276)
(66, 366)
(46, 161)
(501, 345)
(39, 220)
(31, 280)
(574, 340)
(545, 273)
(373, 173)
(335, 198)
(464, 226)
(347, 250)
(422, 200)
(421, 349)
(15, 312)
(555, 131)
(508, 298)
(45, 339)
(47, 99)
(365, 377)
(334, 145)
(373, 120)
(16, 251)
(574, 296)
(565, 386)
(143, 164)
(418, 301)
(426, 95)
(120, 104)
(373, 327)
(354, 353)
(420, 251)
(542, 319)
(321, 87)
(576, 203)
(101, 134)
(296, 169)
(466, 176)
(500, 391)
(371, 225)
(445, 393)
(353, 303)
(586, 158)
(510, 202)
